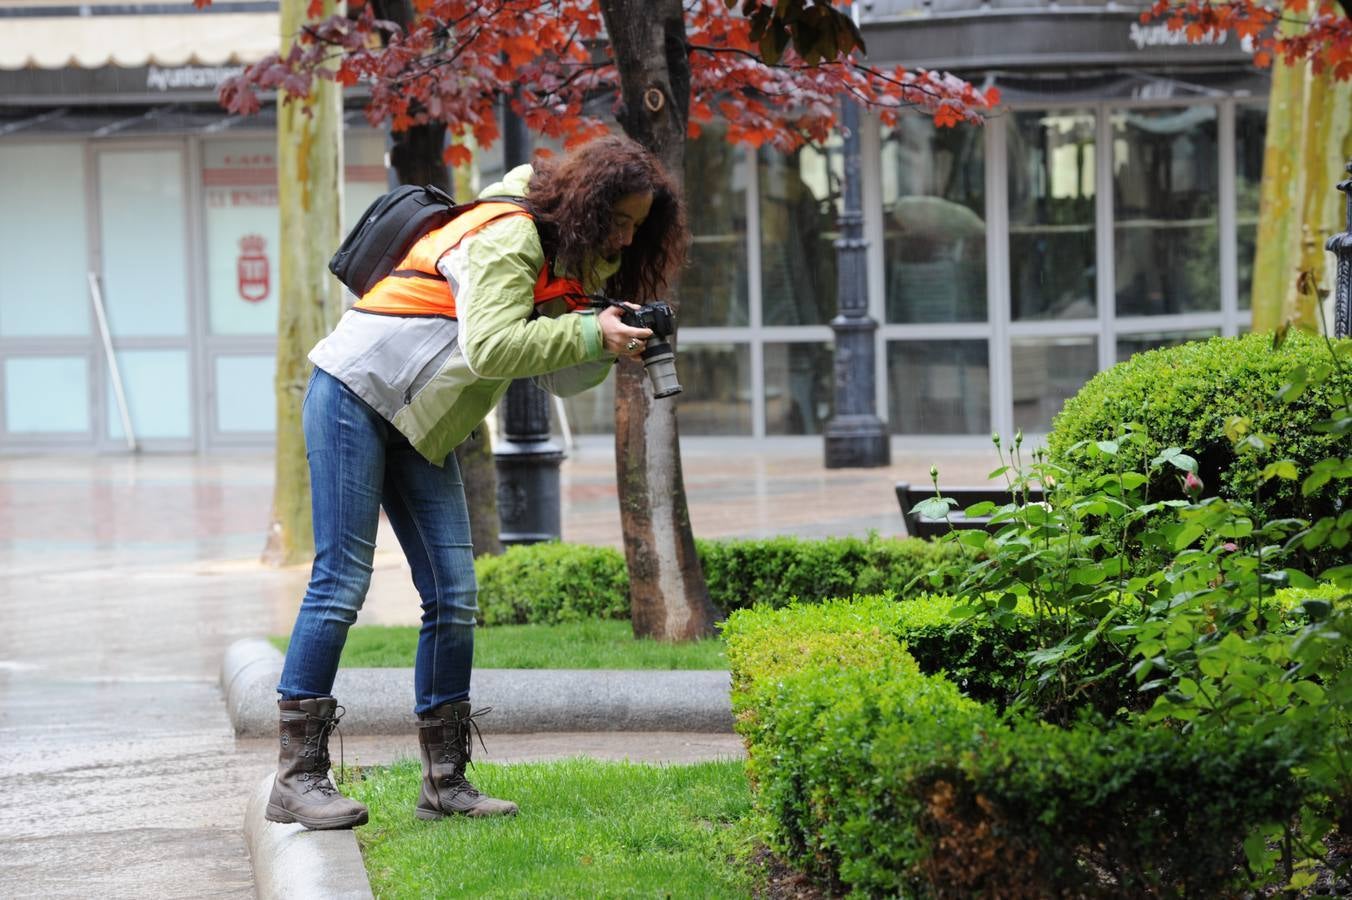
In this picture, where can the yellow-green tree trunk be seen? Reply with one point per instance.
(309, 204)
(1309, 140)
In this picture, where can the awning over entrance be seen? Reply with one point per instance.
(198, 38)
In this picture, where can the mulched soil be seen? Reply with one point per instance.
(1330, 882)
(777, 881)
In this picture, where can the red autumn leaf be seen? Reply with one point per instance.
(520, 49)
(457, 155)
(1323, 38)
(456, 58)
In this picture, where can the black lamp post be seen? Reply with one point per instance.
(855, 436)
(526, 457)
(1341, 246)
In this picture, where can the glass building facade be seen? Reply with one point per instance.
(1008, 263)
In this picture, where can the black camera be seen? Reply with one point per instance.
(658, 358)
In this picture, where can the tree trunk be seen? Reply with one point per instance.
(1309, 140)
(668, 596)
(310, 202)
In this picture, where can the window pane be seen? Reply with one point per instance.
(47, 182)
(1250, 133)
(145, 279)
(938, 387)
(798, 388)
(239, 187)
(44, 395)
(934, 233)
(716, 379)
(1046, 372)
(156, 384)
(798, 213)
(246, 398)
(713, 288)
(1131, 344)
(1051, 215)
(1164, 202)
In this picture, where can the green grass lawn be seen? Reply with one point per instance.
(586, 829)
(593, 644)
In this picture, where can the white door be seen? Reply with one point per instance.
(143, 267)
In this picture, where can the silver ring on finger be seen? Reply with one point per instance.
(632, 345)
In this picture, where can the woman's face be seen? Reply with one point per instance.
(626, 217)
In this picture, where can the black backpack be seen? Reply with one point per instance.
(386, 231)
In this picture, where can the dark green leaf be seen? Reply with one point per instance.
(1317, 610)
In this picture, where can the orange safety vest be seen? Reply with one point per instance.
(417, 288)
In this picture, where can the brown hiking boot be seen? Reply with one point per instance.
(444, 744)
(302, 791)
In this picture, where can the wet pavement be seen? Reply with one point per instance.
(123, 580)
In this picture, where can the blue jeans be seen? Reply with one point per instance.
(358, 463)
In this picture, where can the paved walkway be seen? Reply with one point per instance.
(123, 580)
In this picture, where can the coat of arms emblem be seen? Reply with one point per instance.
(251, 268)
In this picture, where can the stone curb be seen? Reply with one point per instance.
(379, 701)
(292, 863)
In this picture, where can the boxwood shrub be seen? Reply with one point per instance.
(774, 571)
(1183, 395)
(879, 778)
(551, 583)
(557, 582)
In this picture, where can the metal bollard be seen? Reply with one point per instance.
(1341, 246)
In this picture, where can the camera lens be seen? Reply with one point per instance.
(660, 362)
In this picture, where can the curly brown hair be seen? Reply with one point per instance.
(573, 200)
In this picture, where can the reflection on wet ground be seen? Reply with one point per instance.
(123, 580)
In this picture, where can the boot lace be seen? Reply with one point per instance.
(457, 749)
(316, 749)
(463, 742)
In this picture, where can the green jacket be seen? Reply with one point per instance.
(436, 379)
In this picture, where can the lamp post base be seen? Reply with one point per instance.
(857, 442)
(529, 499)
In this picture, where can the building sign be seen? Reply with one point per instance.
(194, 78)
(251, 269)
(1143, 36)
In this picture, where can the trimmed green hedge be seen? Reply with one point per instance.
(548, 583)
(552, 583)
(892, 782)
(979, 657)
(983, 659)
(1183, 395)
(775, 571)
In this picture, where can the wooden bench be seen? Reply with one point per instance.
(908, 496)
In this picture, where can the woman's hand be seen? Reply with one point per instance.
(619, 338)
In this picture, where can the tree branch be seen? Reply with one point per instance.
(918, 86)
